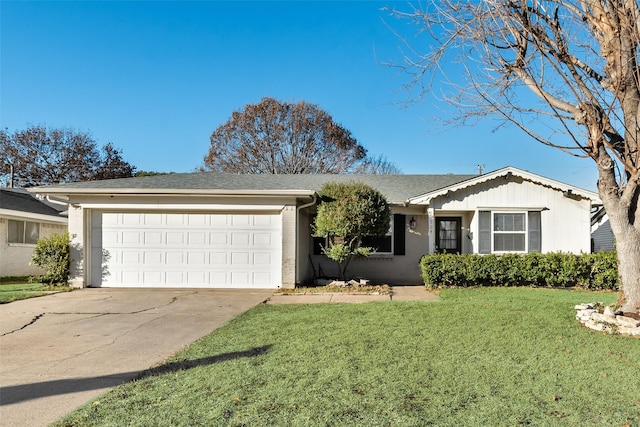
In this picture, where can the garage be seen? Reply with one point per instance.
(195, 250)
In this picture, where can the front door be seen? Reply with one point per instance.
(448, 234)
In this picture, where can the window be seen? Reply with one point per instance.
(23, 232)
(391, 243)
(509, 232)
(382, 245)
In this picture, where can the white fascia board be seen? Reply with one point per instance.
(425, 199)
(511, 208)
(121, 207)
(62, 192)
(21, 216)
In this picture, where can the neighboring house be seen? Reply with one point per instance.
(251, 231)
(601, 234)
(23, 220)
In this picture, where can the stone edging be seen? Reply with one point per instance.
(607, 321)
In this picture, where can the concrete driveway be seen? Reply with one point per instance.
(62, 350)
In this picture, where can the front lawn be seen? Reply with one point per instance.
(17, 291)
(478, 357)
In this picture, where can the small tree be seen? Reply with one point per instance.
(347, 213)
(52, 253)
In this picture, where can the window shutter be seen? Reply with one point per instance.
(535, 234)
(484, 232)
(399, 230)
(318, 243)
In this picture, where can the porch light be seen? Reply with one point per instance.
(413, 223)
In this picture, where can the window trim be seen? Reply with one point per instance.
(526, 232)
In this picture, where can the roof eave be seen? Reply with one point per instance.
(426, 198)
(67, 192)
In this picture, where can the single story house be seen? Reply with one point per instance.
(23, 220)
(254, 231)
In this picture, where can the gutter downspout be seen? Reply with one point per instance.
(298, 209)
(56, 201)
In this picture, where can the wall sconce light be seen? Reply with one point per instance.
(413, 223)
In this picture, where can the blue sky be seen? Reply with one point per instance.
(156, 78)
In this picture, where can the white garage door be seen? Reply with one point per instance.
(187, 250)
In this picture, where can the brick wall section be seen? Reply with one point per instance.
(289, 247)
(76, 237)
(15, 258)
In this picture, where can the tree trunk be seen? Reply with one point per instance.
(628, 250)
(628, 253)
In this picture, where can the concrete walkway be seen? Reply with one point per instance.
(398, 293)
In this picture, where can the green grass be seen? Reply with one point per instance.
(479, 357)
(17, 291)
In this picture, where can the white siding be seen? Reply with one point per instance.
(565, 221)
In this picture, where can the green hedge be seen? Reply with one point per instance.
(553, 270)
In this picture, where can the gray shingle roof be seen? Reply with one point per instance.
(396, 188)
(19, 199)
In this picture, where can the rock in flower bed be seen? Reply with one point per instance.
(602, 318)
(361, 287)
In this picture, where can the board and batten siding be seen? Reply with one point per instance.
(565, 221)
(602, 236)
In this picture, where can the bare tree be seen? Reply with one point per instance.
(277, 137)
(378, 165)
(580, 60)
(41, 156)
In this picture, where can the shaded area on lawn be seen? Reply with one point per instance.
(22, 392)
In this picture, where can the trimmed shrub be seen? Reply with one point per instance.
(554, 270)
(53, 254)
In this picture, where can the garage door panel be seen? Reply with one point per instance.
(151, 277)
(175, 219)
(263, 258)
(240, 220)
(133, 258)
(240, 239)
(110, 237)
(191, 250)
(262, 279)
(197, 238)
(175, 238)
(175, 278)
(219, 258)
(133, 219)
(153, 237)
(152, 258)
(175, 257)
(197, 277)
(126, 277)
(218, 278)
(197, 258)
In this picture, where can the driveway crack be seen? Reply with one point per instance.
(34, 320)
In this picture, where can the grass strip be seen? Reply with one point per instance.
(18, 291)
(487, 356)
